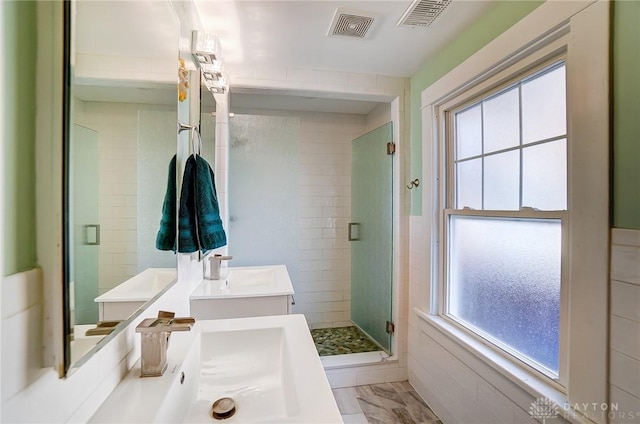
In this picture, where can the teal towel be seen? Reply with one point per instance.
(166, 238)
(199, 225)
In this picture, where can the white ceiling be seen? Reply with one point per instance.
(289, 33)
(294, 33)
(138, 28)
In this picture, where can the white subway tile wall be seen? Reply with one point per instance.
(117, 127)
(21, 331)
(323, 282)
(624, 359)
(323, 286)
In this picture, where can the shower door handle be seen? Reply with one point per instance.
(92, 235)
(354, 231)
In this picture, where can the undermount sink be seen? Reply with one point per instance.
(268, 366)
(254, 378)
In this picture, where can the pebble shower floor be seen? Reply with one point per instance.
(342, 340)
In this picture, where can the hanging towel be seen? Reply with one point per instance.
(199, 224)
(166, 238)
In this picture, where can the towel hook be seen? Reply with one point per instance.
(182, 127)
(414, 183)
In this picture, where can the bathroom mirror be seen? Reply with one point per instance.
(121, 137)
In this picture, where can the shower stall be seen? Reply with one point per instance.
(314, 191)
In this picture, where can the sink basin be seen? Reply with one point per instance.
(251, 277)
(256, 379)
(268, 365)
(140, 287)
(123, 300)
(250, 281)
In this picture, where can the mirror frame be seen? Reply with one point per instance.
(66, 225)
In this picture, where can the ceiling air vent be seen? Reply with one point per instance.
(421, 13)
(350, 23)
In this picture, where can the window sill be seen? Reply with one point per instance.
(498, 366)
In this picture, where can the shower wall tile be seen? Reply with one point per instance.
(624, 359)
(117, 127)
(116, 124)
(324, 197)
(322, 282)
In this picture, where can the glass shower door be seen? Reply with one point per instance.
(371, 233)
(84, 222)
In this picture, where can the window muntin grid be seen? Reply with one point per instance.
(489, 134)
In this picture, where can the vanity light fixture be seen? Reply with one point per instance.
(214, 85)
(205, 47)
(207, 51)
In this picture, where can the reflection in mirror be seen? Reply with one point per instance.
(123, 105)
(208, 124)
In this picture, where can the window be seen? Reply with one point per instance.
(516, 191)
(507, 167)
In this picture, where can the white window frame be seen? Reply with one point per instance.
(550, 54)
(579, 31)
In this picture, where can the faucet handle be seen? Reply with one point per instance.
(165, 325)
(218, 257)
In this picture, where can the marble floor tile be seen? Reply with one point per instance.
(418, 409)
(387, 403)
(403, 416)
(376, 413)
(402, 386)
(355, 419)
(387, 395)
(347, 400)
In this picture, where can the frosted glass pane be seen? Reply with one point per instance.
(544, 176)
(83, 205)
(501, 121)
(469, 133)
(544, 106)
(263, 185)
(505, 281)
(371, 254)
(501, 181)
(469, 184)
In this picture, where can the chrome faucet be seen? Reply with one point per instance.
(155, 334)
(214, 265)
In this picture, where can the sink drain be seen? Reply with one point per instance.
(223, 408)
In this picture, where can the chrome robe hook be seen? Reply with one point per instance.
(414, 183)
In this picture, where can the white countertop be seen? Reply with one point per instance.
(174, 397)
(224, 288)
(140, 287)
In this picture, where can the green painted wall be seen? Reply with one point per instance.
(18, 134)
(476, 36)
(626, 114)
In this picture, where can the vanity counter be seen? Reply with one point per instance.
(244, 292)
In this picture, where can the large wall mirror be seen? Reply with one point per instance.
(123, 107)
